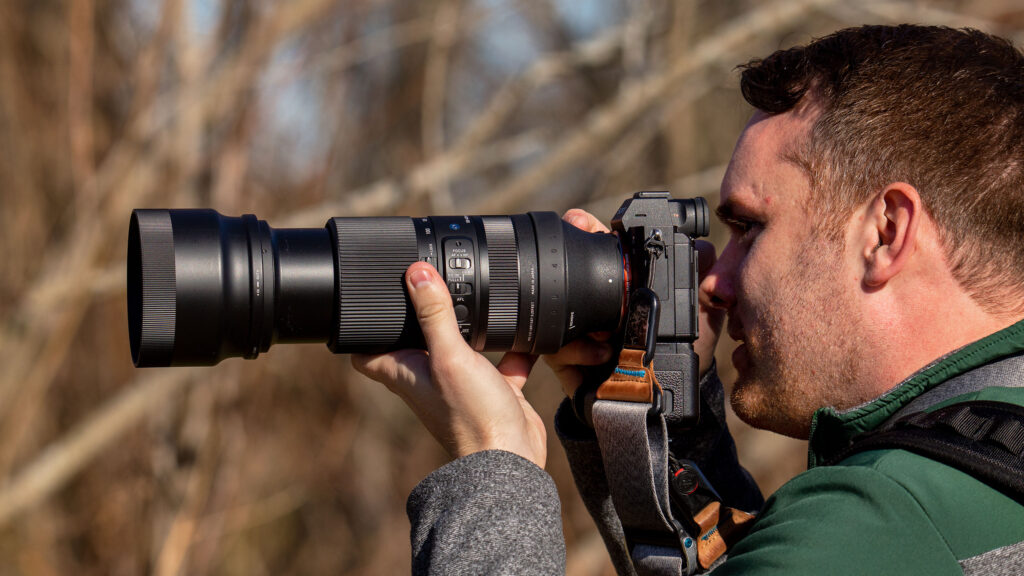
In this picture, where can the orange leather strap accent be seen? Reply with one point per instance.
(734, 524)
(710, 545)
(708, 517)
(631, 381)
(720, 527)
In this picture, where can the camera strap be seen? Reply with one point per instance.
(634, 450)
(633, 439)
(671, 517)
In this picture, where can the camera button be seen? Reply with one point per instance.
(460, 288)
(461, 313)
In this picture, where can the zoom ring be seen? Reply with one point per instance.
(503, 261)
(373, 254)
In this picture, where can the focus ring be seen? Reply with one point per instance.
(503, 260)
(155, 261)
(372, 256)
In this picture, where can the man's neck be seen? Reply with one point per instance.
(920, 328)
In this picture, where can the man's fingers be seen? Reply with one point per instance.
(396, 370)
(378, 367)
(584, 221)
(581, 352)
(434, 310)
(570, 376)
(515, 367)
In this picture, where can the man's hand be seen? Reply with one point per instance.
(593, 349)
(467, 403)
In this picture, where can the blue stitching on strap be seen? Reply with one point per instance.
(636, 373)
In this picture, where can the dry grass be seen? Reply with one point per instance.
(297, 111)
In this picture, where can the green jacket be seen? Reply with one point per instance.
(880, 512)
(891, 511)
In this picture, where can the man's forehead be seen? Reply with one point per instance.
(773, 137)
(762, 166)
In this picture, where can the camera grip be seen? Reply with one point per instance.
(677, 366)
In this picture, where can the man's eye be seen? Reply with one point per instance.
(742, 228)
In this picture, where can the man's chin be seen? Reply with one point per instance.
(753, 405)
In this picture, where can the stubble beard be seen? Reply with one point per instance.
(801, 350)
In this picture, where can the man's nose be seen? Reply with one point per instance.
(717, 287)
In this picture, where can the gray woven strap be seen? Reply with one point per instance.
(659, 560)
(634, 448)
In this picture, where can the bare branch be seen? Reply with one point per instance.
(178, 542)
(459, 160)
(501, 106)
(64, 458)
(434, 89)
(69, 283)
(628, 148)
(607, 122)
(253, 514)
(80, 96)
(382, 196)
(896, 12)
(75, 263)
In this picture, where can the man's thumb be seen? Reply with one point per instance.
(433, 306)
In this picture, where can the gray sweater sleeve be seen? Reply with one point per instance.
(491, 512)
(709, 444)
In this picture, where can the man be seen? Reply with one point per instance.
(875, 204)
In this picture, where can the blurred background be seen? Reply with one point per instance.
(297, 111)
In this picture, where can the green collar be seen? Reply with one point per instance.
(831, 431)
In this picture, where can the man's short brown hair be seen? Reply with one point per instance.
(939, 108)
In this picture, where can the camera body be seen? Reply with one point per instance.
(649, 215)
(658, 235)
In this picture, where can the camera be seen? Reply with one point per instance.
(203, 287)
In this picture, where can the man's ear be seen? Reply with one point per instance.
(891, 232)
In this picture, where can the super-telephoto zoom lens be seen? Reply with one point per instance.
(203, 287)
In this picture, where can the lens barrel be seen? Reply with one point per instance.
(203, 287)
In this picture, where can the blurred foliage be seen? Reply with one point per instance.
(297, 111)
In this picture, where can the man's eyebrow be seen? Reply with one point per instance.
(725, 212)
(733, 211)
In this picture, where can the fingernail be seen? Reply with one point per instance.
(604, 353)
(420, 277)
